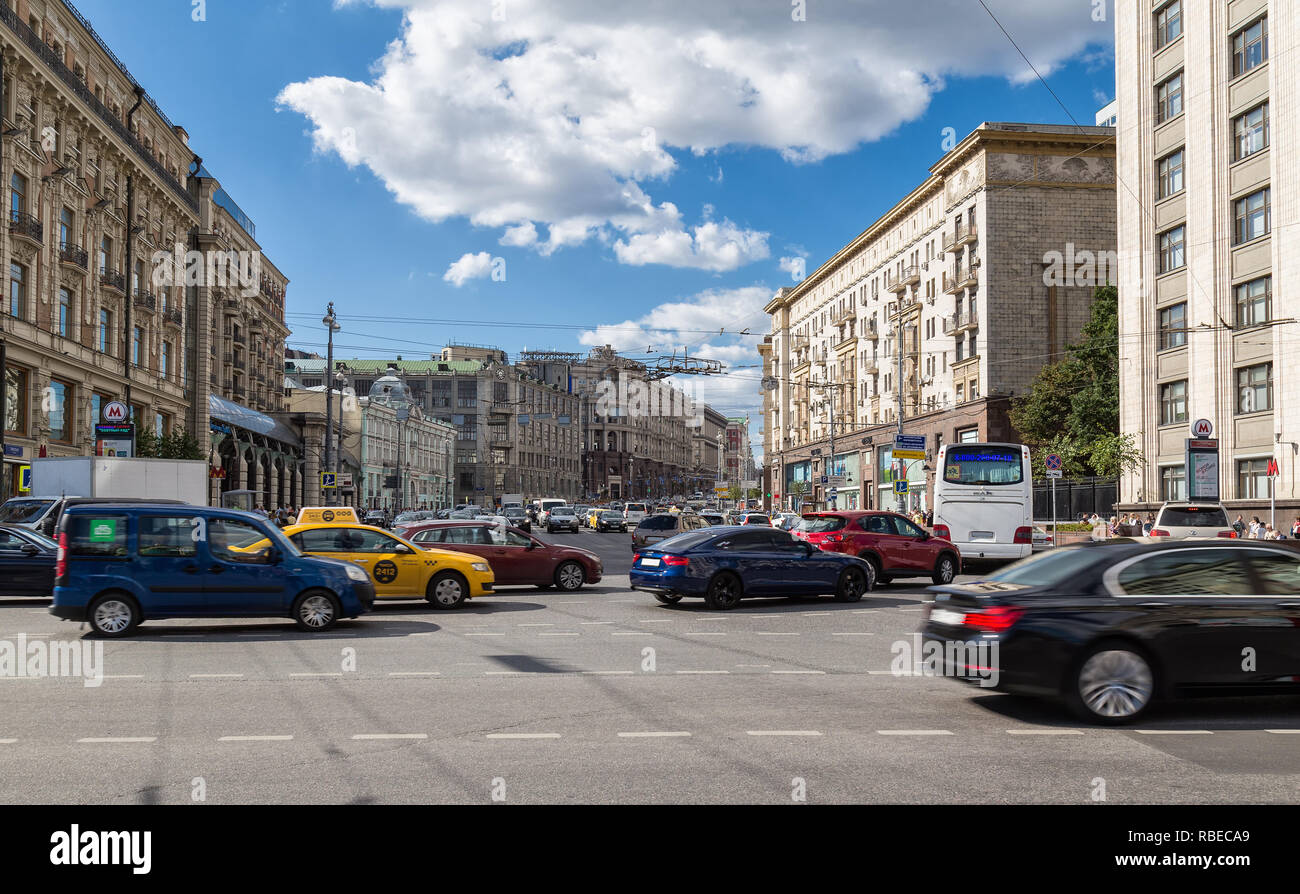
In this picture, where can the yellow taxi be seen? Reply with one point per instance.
(314, 515)
(592, 515)
(399, 568)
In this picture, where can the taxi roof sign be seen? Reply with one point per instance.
(317, 515)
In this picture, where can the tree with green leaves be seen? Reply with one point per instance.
(1072, 408)
(174, 444)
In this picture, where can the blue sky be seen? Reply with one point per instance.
(530, 138)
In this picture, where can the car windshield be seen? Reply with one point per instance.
(20, 512)
(821, 524)
(1194, 516)
(562, 510)
(983, 465)
(683, 542)
(1048, 568)
(515, 513)
(612, 515)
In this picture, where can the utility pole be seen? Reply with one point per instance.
(899, 465)
(332, 326)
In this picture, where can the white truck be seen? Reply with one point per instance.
(512, 501)
(56, 479)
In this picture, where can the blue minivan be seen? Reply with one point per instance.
(121, 564)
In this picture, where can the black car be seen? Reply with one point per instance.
(610, 520)
(519, 518)
(26, 562)
(1112, 627)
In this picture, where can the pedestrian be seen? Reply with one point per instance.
(1256, 528)
(1295, 528)
(1099, 531)
(1149, 523)
(1269, 533)
(1240, 526)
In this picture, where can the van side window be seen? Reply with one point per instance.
(233, 540)
(166, 536)
(101, 536)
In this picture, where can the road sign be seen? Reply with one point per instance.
(344, 481)
(909, 447)
(832, 494)
(1272, 468)
(721, 491)
(1055, 473)
(1202, 469)
(24, 478)
(116, 411)
(826, 479)
(327, 479)
(839, 480)
(1054, 463)
(1202, 428)
(900, 487)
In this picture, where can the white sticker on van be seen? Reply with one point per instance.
(200, 532)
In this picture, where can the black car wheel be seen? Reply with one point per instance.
(316, 610)
(877, 576)
(113, 615)
(852, 585)
(944, 570)
(447, 590)
(668, 598)
(724, 592)
(570, 576)
(1113, 683)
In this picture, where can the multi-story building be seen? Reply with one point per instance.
(738, 462)
(1209, 200)
(103, 187)
(940, 311)
(406, 457)
(708, 445)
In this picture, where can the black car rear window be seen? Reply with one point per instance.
(658, 523)
(821, 524)
(1194, 516)
(98, 535)
(1047, 569)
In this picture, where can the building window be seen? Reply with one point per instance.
(1254, 301)
(1169, 23)
(164, 354)
(1173, 402)
(65, 312)
(1173, 483)
(1173, 326)
(1250, 132)
(65, 228)
(160, 424)
(105, 326)
(1252, 479)
(1252, 216)
(1169, 98)
(1250, 47)
(137, 336)
(1172, 256)
(17, 195)
(968, 436)
(1169, 175)
(1255, 388)
(60, 411)
(15, 400)
(105, 254)
(17, 291)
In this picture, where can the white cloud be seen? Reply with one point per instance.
(559, 115)
(470, 266)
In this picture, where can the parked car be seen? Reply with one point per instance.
(724, 565)
(27, 560)
(654, 528)
(634, 512)
(518, 518)
(610, 520)
(1042, 539)
(517, 558)
(377, 517)
(894, 545)
(120, 564)
(561, 518)
(1110, 628)
(1178, 520)
(399, 568)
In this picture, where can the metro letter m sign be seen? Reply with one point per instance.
(1272, 468)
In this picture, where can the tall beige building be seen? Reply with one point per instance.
(940, 311)
(1208, 163)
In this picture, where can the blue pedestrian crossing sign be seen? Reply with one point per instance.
(1054, 462)
(328, 479)
(900, 487)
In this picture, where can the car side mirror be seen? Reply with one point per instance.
(808, 548)
(403, 550)
(30, 550)
(532, 544)
(274, 556)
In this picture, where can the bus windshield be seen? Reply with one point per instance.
(984, 464)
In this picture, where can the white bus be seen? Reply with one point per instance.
(984, 500)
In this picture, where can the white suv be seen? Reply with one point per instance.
(1180, 520)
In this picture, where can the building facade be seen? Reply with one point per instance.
(406, 457)
(1209, 198)
(939, 312)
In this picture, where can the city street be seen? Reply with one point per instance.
(599, 696)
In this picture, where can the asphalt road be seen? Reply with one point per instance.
(599, 696)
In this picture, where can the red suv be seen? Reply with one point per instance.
(890, 542)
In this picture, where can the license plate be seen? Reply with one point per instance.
(982, 535)
(944, 616)
(649, 563)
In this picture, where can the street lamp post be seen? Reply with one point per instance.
(339, 380)
(900, 465)
(331, 326)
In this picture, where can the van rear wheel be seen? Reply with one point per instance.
(113, 615)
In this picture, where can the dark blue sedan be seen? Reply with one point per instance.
(26, 562)
(722, 565)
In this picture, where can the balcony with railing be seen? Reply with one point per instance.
(843, 314)
(144, 300)
(960, 322)
(173, 316)
(113, 279)
(70, 253)
(25, 225)
(962, 278)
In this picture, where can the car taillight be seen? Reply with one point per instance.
(1227, 534)
(942, 531)
(636, 557)
(1156, 532)
(995, 619)
(676, 560)
(834, 538)
(61, 560)
(1024, 535)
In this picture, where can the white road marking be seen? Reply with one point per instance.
(889, 674)
(782, 732)
(865, 611)
(852, 634)
(1174, 732)
(659, 621)
(415, 674)
(523, 735)
(759, 617)
(625, 633)
(571, 602)
(1283, 732)
(766, 633)
(911, 609)
(652, 735)
(419, 634)
(118, 740)
(504, 673)
(702, 672)
(1045, 732)
(214, 676)
(594, 623)
(823, 673)
(255, 739)
(317, 675)
(707, 633)
(369, 736)
(560, 634)
(536, 625)
(914, 732)
(7, 741)
(814, 614)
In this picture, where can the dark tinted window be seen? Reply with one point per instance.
(1049, 568)
(658, 523)
(230, 539)
(682, 542)
(1195, 572)
(96, 535)
(10, 542)
(821, 524)
(318, 540)
(1279, 572)
(983, 465)
(474, 535)
(1193, 516)
(747, 542)
(166, 536)
(876, 524)
(23, 511)
(433, 535)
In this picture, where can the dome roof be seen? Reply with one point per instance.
(389, 390)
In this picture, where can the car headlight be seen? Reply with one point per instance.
(357, 574)
(481, 566)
